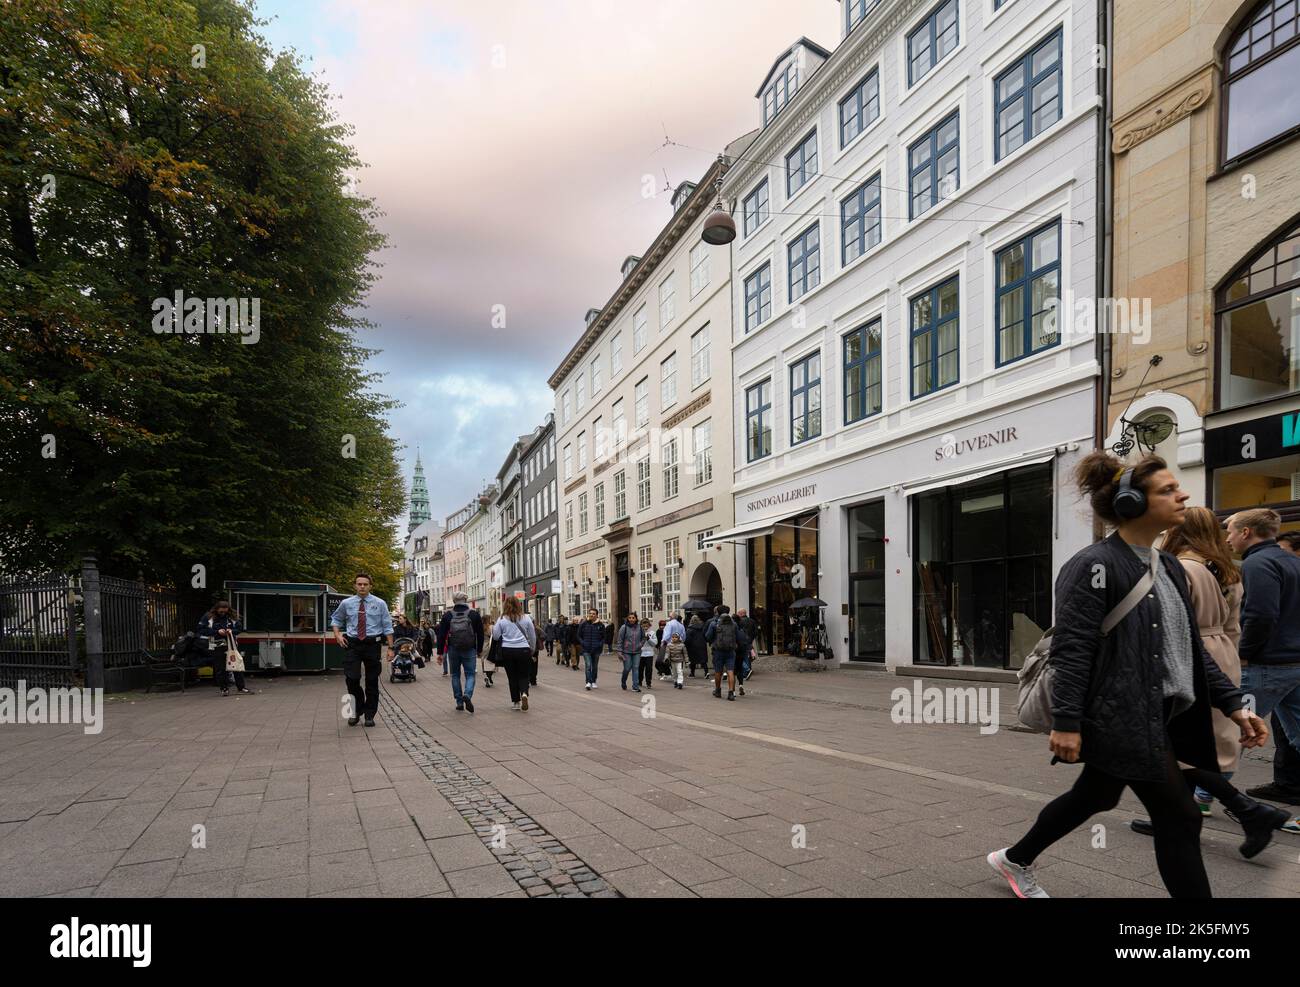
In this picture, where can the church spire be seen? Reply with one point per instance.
(419, 496)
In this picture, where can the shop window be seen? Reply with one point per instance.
(302, 610)
(1261, 64)
(1258, 317)
(1272, 483)
(783, 569)
(983, 561)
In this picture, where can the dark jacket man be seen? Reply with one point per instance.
(591, 636)
(1270, 612)
(1110, 688)
(475, 621)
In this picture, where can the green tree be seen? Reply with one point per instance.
(155, 146)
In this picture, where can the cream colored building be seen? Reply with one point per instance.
(643, 429)
(1205, 138)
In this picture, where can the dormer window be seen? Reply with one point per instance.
(629, 265)
(780, 92)
(683, 193)
(855, 12)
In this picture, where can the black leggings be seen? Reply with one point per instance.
(1173, 813)
(519, 669)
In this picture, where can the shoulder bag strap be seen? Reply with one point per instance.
(1134, 596)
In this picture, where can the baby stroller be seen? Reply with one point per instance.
(402, 667)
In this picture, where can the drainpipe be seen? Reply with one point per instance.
(1105, 223)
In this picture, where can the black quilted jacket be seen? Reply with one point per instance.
(1110, 689)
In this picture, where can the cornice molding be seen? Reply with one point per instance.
(1160, 113)
(689, 410)
(692, 510)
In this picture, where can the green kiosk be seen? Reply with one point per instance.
(286, 625)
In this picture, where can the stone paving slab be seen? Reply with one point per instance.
(805, 787)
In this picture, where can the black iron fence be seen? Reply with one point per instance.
(57, 628)
(39, 630)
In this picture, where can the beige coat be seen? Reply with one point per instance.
(1219, 616)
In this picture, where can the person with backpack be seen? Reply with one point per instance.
(1270, 640)
(1216, 591)
(591, 636)
(722, 634)
(460, 639)
(518, 640)
(697, 648)
(218, 631)
(1130, 698)
(628, 642)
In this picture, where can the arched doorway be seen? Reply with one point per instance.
(706, 583)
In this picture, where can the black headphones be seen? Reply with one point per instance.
(1129, 502)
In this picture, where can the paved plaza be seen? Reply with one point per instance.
(805, 787)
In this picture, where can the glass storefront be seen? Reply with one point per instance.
(782, 569)
(867, 582)
(982, 555)
(1257, 464)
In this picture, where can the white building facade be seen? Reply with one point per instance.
(908, 397)
(642, 423)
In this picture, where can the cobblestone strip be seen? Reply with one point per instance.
(538, 862)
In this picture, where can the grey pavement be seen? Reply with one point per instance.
(804, 787)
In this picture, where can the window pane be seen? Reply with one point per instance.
(1011, 265)
(1046, 247)
(1011, 306)
(947, 299)
(1263, 103)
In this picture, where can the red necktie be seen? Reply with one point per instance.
(361, 621)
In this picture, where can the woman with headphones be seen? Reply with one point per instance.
(1132, 703)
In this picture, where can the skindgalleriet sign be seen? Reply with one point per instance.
(797, 493)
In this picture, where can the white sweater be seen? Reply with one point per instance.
(512, 635)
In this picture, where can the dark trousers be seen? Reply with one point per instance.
(550, 648)
(1169, 803)
(532, 669)
(1286, 762)
(519, 667)
(647, 670)
(363, 655)
(222, 676)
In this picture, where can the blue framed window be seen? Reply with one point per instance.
(758, 421)
(862, 374)
(779, 92)
(859, 108)
(1027, 96)
(756, 208)
(758, 297)
(801, 164)
(805, 257)
(860, 220)
(855, 11)
(1028, 291)
(931, 40)
(806, 399)
(934, 320)
(934, 166)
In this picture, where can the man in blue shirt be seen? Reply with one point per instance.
(359, 622)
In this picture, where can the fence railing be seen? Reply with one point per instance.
(39, 623)
(55, 627)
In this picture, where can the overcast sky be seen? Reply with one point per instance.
(507, 143)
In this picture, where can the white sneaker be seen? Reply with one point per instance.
(1022, 879)
(593, 685)
(588, 686)
(514, 706)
